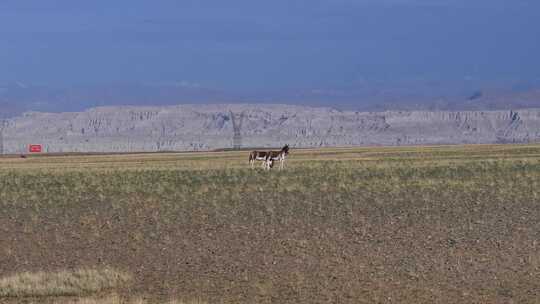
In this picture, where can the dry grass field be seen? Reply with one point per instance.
(438, 224)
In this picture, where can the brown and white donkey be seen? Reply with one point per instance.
(279, 156)
(258, 155)
(268, 157)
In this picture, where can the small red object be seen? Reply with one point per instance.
(35, 148)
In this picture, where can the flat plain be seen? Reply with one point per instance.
(434, 224)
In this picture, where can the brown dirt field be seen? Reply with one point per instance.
(377, 225)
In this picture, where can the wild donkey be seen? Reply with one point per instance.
(279, 156)
(258, 155)
(268, 157)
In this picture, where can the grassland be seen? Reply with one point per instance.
(79, 282)
(441, 224)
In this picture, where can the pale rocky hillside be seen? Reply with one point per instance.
(207, 127)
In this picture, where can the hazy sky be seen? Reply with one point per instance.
(267, 44)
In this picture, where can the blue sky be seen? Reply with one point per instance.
(241, 44)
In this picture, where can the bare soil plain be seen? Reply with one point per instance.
(438, 224)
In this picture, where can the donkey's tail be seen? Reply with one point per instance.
(251, 157)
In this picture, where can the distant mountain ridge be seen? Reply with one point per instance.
(208, 127)
(18, 98)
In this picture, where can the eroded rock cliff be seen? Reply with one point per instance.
(206, 127)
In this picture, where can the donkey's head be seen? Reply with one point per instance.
(285, 149)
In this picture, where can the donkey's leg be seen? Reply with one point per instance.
(252, 159)
(269, 164)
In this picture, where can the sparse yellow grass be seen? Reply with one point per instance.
(62, 283)
(115, 299)
(437, 224)
(108, 299)
(201, 161)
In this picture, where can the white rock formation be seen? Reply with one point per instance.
(207, 127)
